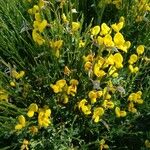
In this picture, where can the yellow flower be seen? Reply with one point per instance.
(81, 43)
(117, 27)
(41, 4)
(37, 37)
(87, 66)
(32, 109)
(22, 122)
(133, 59)
(136, 97)
(3, 95)
(44, 117)
(131, 107)
(147, 143)
(108, 40)
(93, 96)
(108, 104)
(98, 112)
(75, 26)
(33, 10)
(33, 129)
(104, 29)
(67, 71)
(58, 87)
(98, 72)
(103, 145)
(17, 75)
(86, 109)
(56, 45)
(133, 70)
(100, 40)
(120, 43)
(37, 18)
(140, 49)
(25, 144)
(118, 60)
(95, 30)
(89, 58)
(120, 113)
(65, 99)
(64, 18)
(12, 83)
(40, 25)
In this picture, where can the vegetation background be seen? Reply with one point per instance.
(69, 128)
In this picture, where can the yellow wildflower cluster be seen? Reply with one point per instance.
(140, 9)
(64, 89)
(117, 3)
(44, 115)
(3, 94)
(133, 99)
(134, 58)
(25, 144)
(38, 25)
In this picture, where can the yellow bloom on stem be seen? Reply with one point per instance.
(56, 45)
(95, 30)
(44, 117)
(64, 18)
(58, 87)
(136, 97)
(67, 71)
(93, 96)
(147, 143)
(120, 43)
(12, 83)
(33, 10)
(40, 25)
(86, 109)
(120, 113)
(108, 41)
(104, 29)
(98, 72)
(3, 95)
(81, 43)
(32, 109)
(33, 129)
(133, 59)
(118, 59)
(87, 66)
(107, 104)
(21, 122)
(140, 49)
(133, 69)
(37, 37)
(103, 145)
(131, 107)
(17, 75)
(100, 40)
(75, 26)
(25, 144)
(117, 27)
(89, 58)
(97, 114)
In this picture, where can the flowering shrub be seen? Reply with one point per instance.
(67, 84)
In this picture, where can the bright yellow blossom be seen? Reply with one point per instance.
(133, 69)
(108, 41)
(95, 30)
(17, 75)
(97, 114)
(133, 59)
(32, 109)
(140, 49)
(136, 97)
(118, 60)
(37, 37)
(107, 104)
(75, 26)
(120, 113)
(3, 95)
(21, 122)
(117, 27)
(104, 29)
(86, 109)
(131, 107)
